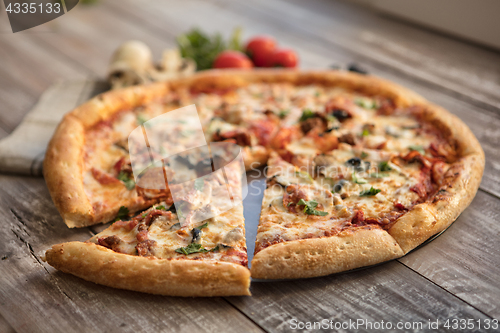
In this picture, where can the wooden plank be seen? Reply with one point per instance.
(453, 64)
(465, 260)
(484, 124)
(30, 289)
(26, 71)
(389, 292)
(92, 44)
(5, 327)
(3, 133)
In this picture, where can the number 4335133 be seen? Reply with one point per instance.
(33, 8)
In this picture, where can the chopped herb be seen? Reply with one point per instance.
(306, 114)
(283, 113)
(317, 94)
(202, 226)
(195, 248)
(331, 118)
(310, 208)
(127, 181)
(365, 103)
(304, 175)
(420, 149)
(122, 214)
(379, 175)
(365, 132)
(372, 191)
(364, 155)
(191, 248)
(161, 207)
(358, 180)
(410, 127)
(141, 119)
(199, 184)
(384, 166)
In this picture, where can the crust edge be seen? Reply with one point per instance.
(314, 257)
(179, 277)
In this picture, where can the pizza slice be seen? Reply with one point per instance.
(389, 183)
(305, 230)
(166, 251)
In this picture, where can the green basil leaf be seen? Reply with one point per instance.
(127, 181)
(283, 113)
(304, 175)
(359, 180)
(306, 114)
(122, 214)
(195, 248)
(371, 192)
(310, 207)
(418, 148)
(384, 166)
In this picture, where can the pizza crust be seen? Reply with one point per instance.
(327, 255)
(63, 173)
(177, 277)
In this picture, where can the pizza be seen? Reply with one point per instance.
(359, 171)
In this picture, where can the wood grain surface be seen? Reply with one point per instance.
(455, 276)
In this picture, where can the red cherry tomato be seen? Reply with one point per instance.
(260, 49)
(232, 59)
(284, 58)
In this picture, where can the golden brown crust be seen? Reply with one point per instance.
(254, 157)
(63, 173)
(63, 162)
(150, 275)
(322, 256)
(430, 218)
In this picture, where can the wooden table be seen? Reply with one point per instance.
(454, 277)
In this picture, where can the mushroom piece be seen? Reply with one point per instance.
(130, 64)
(173, 66)
(234, 236)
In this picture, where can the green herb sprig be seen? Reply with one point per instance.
(371, 192)
(306, 114)
(122, 214)
(195, 248)
(310, 207)
(384, 166)
(127, 181)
